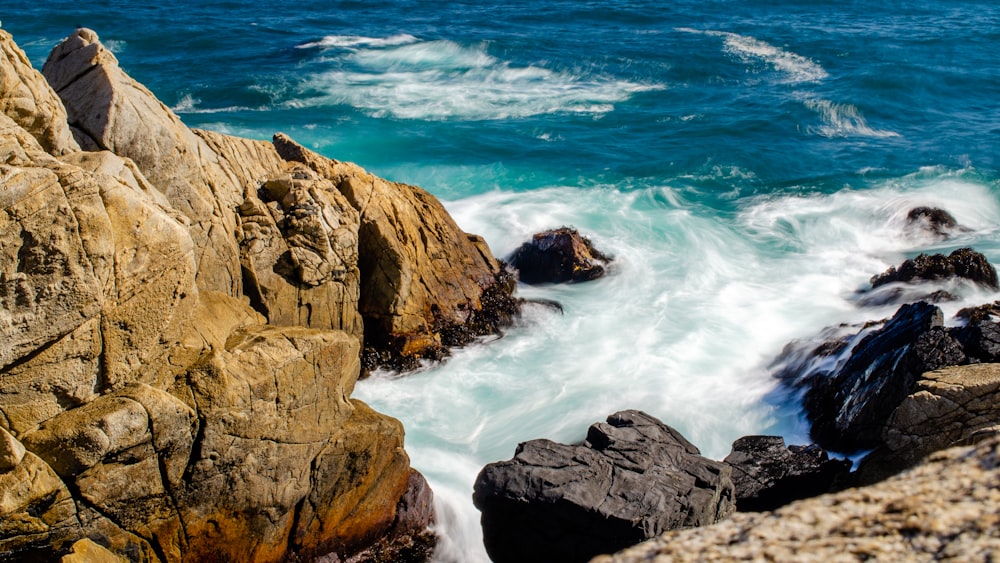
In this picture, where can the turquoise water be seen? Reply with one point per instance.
(750, 166)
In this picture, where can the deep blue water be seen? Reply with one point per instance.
(750, 165)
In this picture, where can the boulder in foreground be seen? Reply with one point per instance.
(632, 479)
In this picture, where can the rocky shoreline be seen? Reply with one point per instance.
(184, 315)
(897, 390)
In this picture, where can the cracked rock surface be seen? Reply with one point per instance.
(632, 479)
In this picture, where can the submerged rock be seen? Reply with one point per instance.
(768, 475)
(933, 220)
(633, 478)
(558, 256)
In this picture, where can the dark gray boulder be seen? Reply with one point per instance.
(768, 475)
(558, 256)
(849, 406)
(933, 220)
(632, 479)
(964, 263)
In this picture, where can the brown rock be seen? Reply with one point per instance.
(28, 99)
(204, 176)
(86, 551)
(299, 251)
(944, 509)
(425, 284)
(558, 256)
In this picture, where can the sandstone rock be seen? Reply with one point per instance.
(28, 99)
(632, 479)
(963, 263)
(948, 407)
(202, 176)
(35, 507)
(170, 423)
(945, 509)
(767, 475)
(86, 551)
(425, 284)
(557, 256)
(299, 251)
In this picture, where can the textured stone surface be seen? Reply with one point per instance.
(28, 99)
(766, 474)
(632, 479)
(948, 407)
(299, 251)
(963, 263)
(933, 220)
(204, 177)
(425, 284)
(144, 404)
(557, 256)
(945, 509)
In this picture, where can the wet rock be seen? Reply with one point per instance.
(632, 479)
(558, 256)
(768, 475)
(849, 406)
(931, 219)
(964, 263)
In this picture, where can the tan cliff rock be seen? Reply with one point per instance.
(181, 322)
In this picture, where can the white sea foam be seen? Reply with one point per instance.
(189, 104)
(354, 41)
(697, 305)
(439, 80)
(842, 120)
(795, 67)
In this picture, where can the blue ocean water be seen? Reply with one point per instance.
(749, 164)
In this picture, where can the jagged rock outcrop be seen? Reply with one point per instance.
(425, 284)
(852, 383)
(933, 220)
(633, 478)
(558, 256)
(964, 263)
(145, 406)
(108, 110)
(28, 99)
(767, 475)
(848, 407)
(944, 509)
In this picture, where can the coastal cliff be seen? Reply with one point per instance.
(183, 315)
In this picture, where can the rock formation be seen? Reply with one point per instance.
(934, 220)
(964, 263)
(181, 322)
(558, 256)
(767, 475)
(945, 509)
(633, 478)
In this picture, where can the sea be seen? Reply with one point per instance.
(749, 165)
